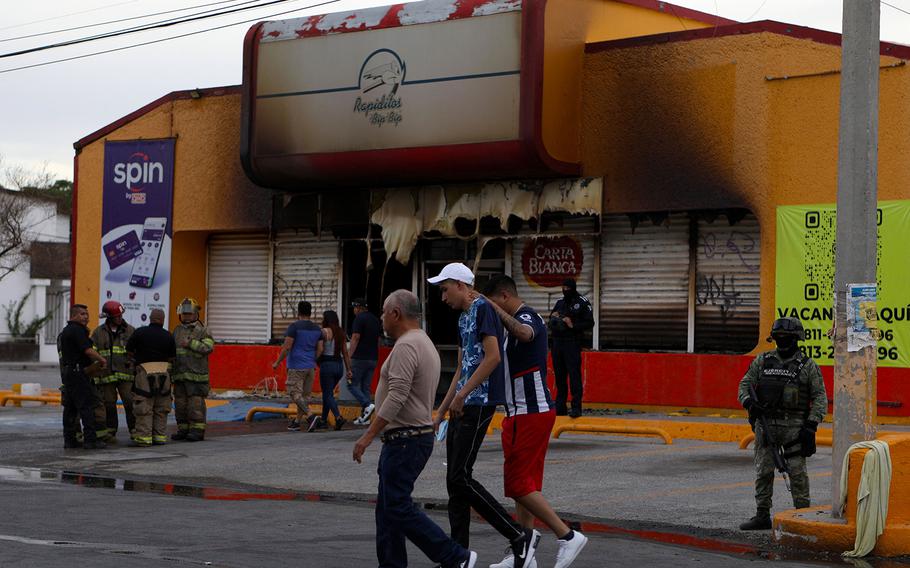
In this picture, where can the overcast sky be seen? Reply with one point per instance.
(43, 110)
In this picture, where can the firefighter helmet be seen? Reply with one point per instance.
(788, 326)
(188, 306)
(112, 309)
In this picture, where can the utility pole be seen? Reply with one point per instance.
(855, 399)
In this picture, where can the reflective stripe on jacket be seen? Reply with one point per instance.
(112, 346)
(192, 362)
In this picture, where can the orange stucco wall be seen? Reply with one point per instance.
(211, 192)
(569, 25)
(698, 124)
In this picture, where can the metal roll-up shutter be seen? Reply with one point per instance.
(727, 285)
(644, 283)
(543, 298)
(306, 269)
(237, 310)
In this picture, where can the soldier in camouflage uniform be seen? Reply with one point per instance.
(190, 372)
(116, 380)
(791, 395)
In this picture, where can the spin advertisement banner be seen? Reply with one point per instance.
(804, 286)
(136, 229)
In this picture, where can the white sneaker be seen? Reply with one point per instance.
(509, 562)
(358, 421)
(569, 549)
(470, 561)
(368, 412)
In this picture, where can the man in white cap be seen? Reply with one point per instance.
(476, 389)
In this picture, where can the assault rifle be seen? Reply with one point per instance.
(778, 453)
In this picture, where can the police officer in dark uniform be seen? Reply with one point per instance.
(76, 355)
(572, 316)
(792, 399)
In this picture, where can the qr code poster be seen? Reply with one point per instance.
(804, 285)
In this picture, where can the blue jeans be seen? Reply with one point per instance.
(398, 517)
(362, 380)
(329, 374)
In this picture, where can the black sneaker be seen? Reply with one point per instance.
(315, 423)
(294, 426)
(339, 423)
(524, 547)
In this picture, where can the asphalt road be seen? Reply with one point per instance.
(53, 523)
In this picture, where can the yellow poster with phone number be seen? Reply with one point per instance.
(804, 282)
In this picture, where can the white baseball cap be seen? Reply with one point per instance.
(454, 271)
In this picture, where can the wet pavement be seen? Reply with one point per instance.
(258, 495)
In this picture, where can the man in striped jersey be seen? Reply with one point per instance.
(530, 414)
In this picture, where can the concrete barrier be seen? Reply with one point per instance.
(815, 528)
(607, 429)
(21, 397)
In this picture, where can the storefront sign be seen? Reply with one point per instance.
(136, 226)
(805, 280)
(547, 262)
(402, 87)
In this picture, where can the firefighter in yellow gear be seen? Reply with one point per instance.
(116, 379)
(190, 372)
(152, 348)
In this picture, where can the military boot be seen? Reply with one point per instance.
(801, 504)
(760, 522)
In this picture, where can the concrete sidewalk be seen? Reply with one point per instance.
(693, 487)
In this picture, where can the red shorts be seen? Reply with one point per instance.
(525, 438)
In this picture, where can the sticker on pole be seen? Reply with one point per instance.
(862, 316)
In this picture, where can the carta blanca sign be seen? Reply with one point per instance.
(546, 262)
(804, 286)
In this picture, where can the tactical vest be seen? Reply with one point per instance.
(779, 388)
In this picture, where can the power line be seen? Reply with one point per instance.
(114, 21)
(165, 39)
(145, 27)
(757, 10)
(41, 21)
(894, 7)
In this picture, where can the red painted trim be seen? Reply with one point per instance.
(73, 228)
(764, 26)
(679, 11)
(172, 96)
(524, 157)
(391, 18)
(636, 379)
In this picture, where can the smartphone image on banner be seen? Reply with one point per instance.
(122, 249)
(145, 266)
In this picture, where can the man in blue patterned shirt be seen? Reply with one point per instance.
(476, 389)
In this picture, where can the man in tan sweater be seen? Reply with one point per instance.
(404, 398)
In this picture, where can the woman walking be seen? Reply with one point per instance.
(333, 358)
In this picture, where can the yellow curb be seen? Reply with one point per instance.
(705, 431)
(815, 527)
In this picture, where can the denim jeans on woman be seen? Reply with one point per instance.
(329, 374)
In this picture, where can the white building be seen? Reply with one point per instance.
(44, 277)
